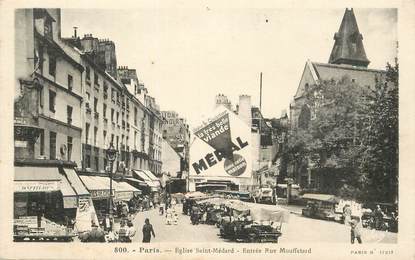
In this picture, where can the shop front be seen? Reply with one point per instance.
(46, 200)
(85, 212)
(99, 189)
(43, 192)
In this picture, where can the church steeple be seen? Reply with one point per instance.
(348, 46)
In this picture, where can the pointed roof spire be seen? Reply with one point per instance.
(348, 46)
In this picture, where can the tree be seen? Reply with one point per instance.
(381, 159)
(329, 134)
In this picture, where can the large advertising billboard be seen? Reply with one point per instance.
(221, 147)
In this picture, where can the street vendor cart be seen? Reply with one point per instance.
(253, 224)
(267, 225)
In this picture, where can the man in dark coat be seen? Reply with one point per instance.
(147, 231)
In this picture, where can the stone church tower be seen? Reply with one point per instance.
(348, 46)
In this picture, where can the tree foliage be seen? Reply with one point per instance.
(381, 158)
(352, 137)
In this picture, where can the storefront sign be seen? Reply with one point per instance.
(123, 195)
(20, 144)
(100, 194)
(30, 221)
(36, 186)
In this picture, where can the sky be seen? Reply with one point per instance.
(185, 57)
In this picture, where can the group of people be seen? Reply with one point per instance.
(377, 219)
(387, 221)
(140, 203)
(124, 234)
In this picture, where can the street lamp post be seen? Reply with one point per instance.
(111, 154)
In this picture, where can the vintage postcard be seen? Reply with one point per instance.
(207, 130)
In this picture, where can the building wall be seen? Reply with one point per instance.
(244, 111)
(364, 77)
(70, 61)
(24, 45)
(171, 160)
(94, 146)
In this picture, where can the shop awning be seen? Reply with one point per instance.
(149, 179)
(68, 194)
(92, 184)
(135, 181)
(142, 176)
(123, 186)
(124, 191)
(98, 187)
(36, 179)
(66, 188)
(151, 175)
(76, 182)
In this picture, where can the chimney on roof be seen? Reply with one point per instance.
(74, 32)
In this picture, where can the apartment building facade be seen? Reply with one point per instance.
(49, 80)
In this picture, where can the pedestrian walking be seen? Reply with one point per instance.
(161, 209)
(148, 231)
(131, 230)
(378, 217)
(169, 216)
(355, 231)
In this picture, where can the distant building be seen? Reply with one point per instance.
(146, 110)
(171, 160)
(176, 132)
(223, 100)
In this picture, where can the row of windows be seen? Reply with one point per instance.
(52, 105)
(88, 163)
(117, 144)
(52, 69)
(52, 145)
(88, 77)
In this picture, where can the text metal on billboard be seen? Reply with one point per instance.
(213, 158)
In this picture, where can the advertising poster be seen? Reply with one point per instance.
(221, 147)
